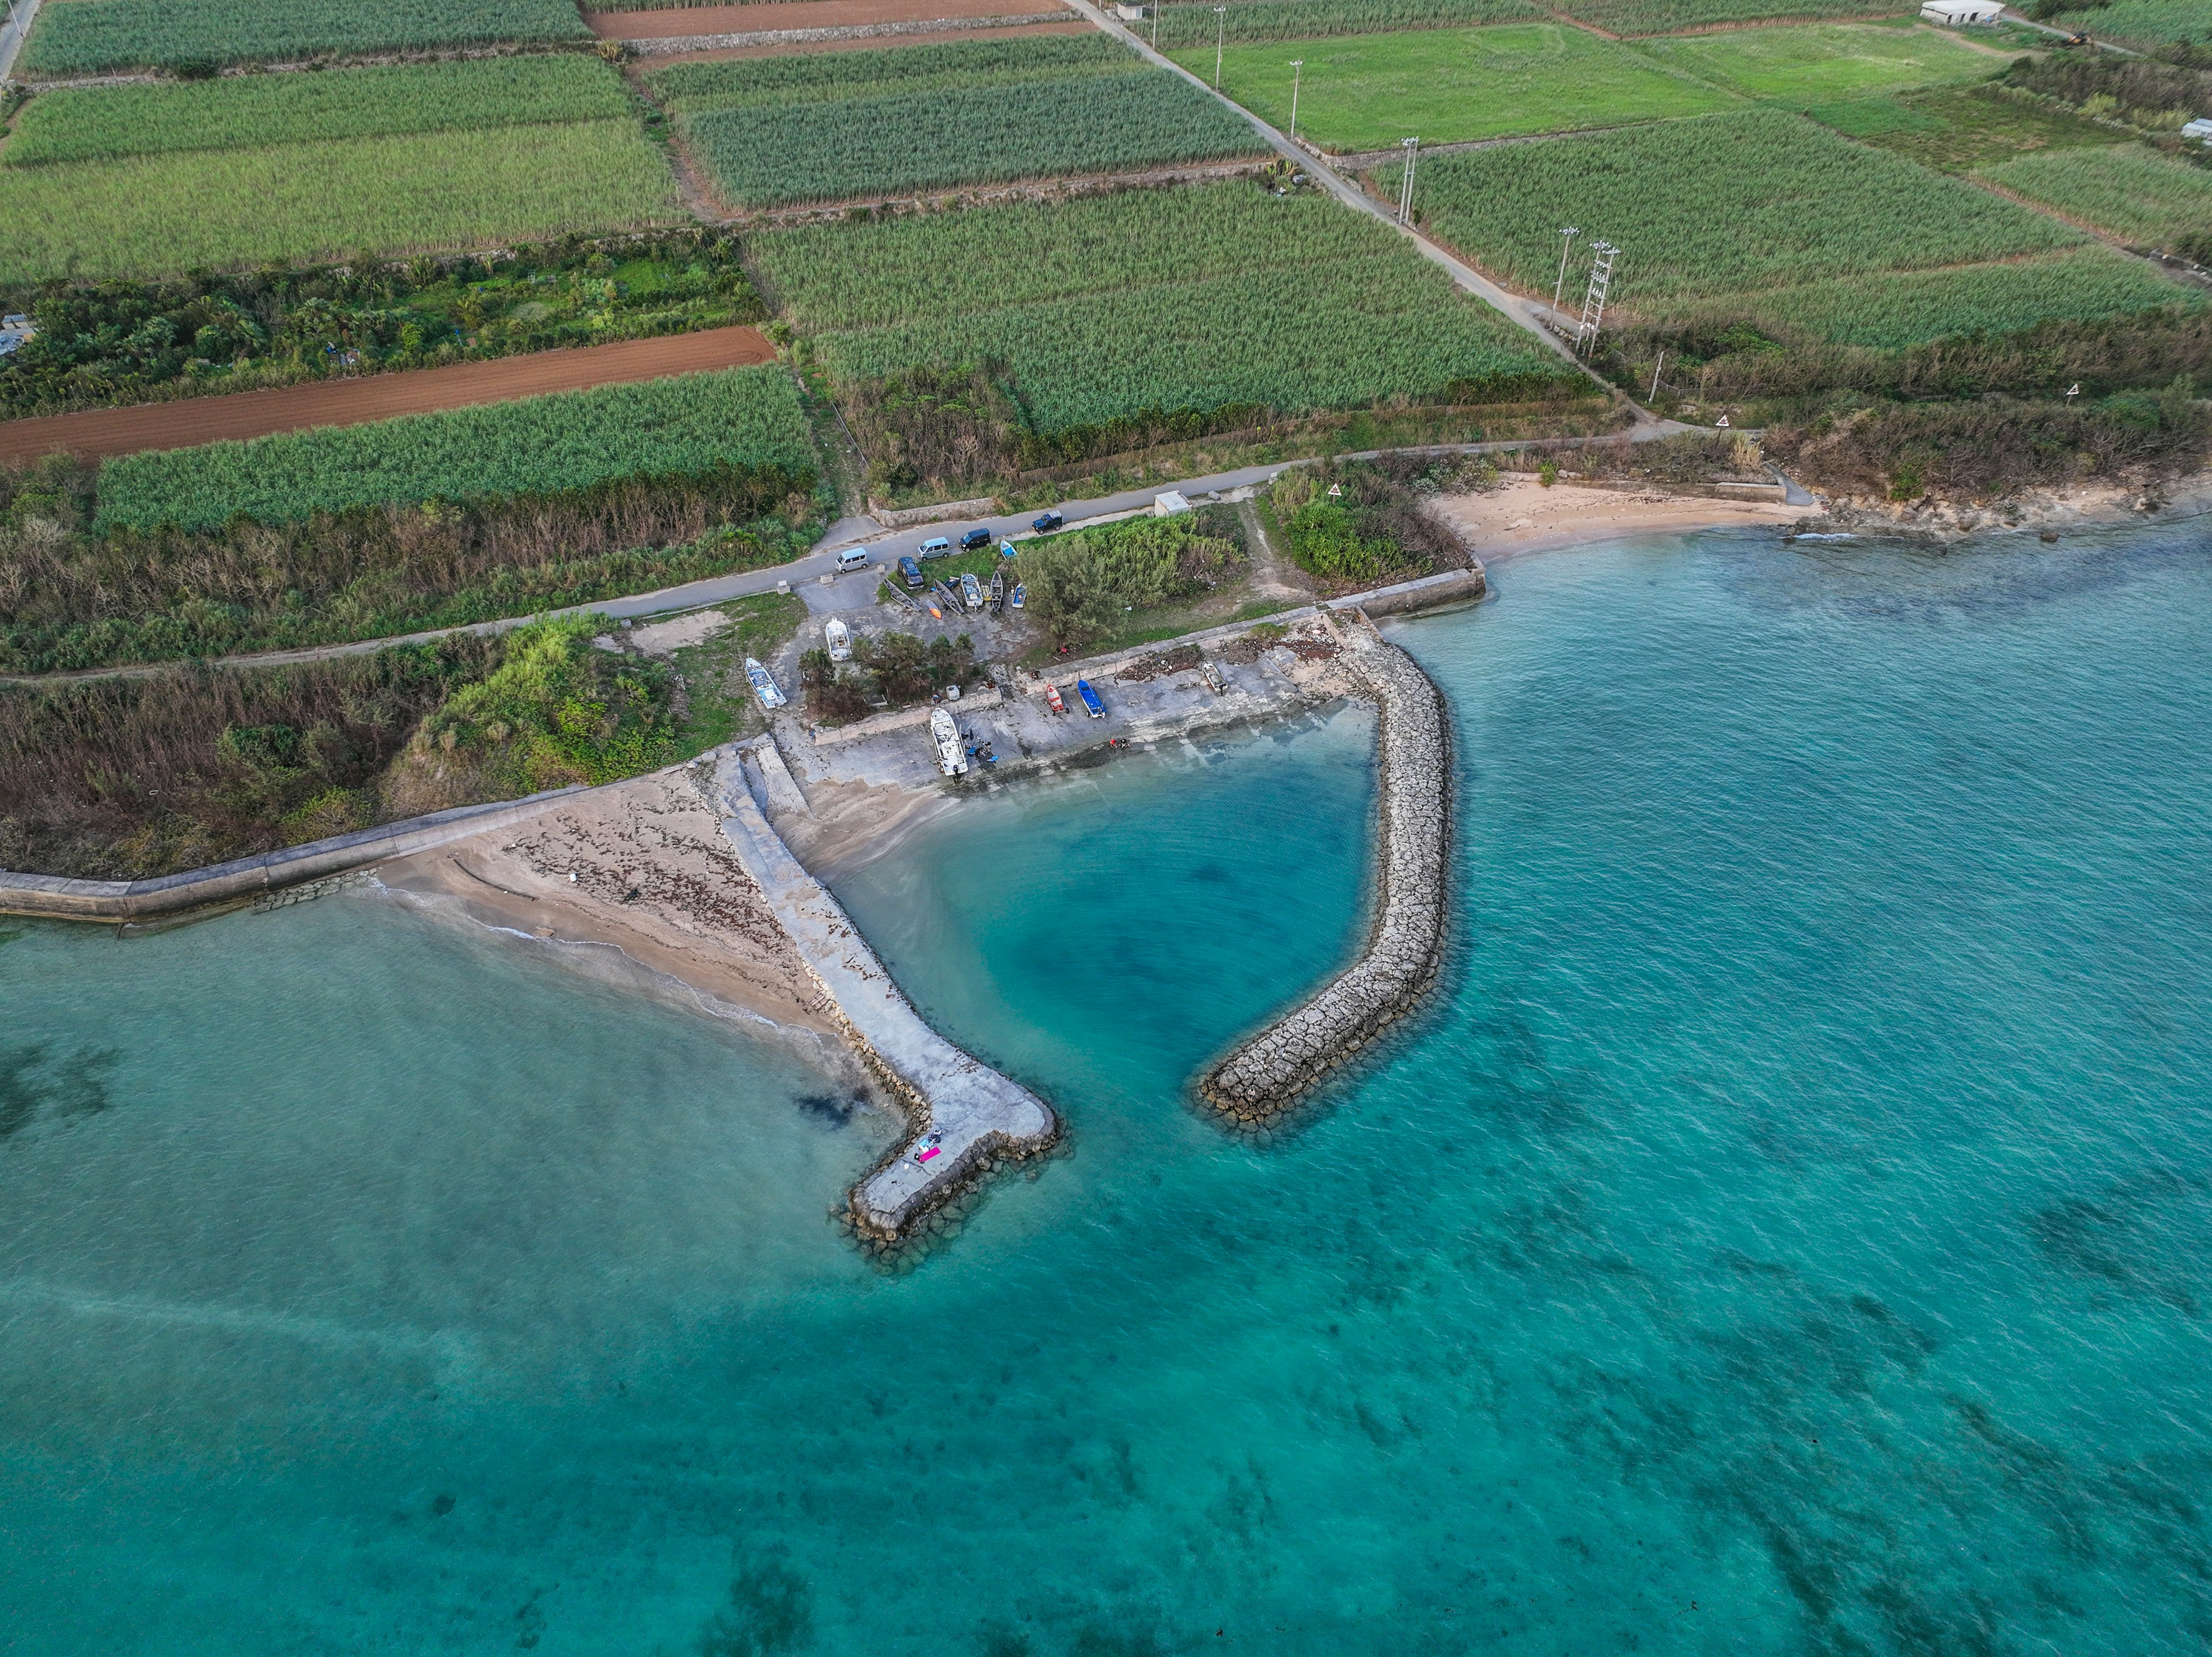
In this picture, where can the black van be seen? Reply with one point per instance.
(974, 539)
(910, 573)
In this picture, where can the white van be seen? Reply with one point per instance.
(851, 558)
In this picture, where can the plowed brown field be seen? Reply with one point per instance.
(192, 420)
(677, 23)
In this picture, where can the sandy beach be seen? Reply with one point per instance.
(643, 868)
(1522, 515)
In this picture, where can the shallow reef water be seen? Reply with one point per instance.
(1786, 1227)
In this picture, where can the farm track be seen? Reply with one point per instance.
(799, 18)
(186, 421)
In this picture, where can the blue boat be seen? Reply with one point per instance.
(1091, 702)
(1021, 595)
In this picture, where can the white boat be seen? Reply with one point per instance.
(763, 687)
(838, 638)
(972, 591)
(945, 732)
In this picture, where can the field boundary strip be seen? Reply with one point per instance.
(187, 422)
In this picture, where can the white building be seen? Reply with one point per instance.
(1955, 14)
(2195, 130)
(1168, 505)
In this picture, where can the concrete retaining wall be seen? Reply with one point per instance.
(977, 1118)
(1266, 1075)
(56, 898)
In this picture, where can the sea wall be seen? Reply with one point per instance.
(1267, 1074)
(975, 1118)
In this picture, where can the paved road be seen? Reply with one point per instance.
(13, 32)
(884, 549)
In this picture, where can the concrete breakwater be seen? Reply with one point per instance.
(1267, 1074)
(964, 1119)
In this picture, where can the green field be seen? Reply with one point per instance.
(1815, 63)
(1367, 92)
(922, 141)
(1194, 26)
(661, 427)
(251, 111)
(693, 88)
(1958, 129)
(1635, 17)
(2128, 190)
(162, 214)
(89, 37)
(1151, 302)
(2144, 24)
(1906, 307)
(1752, 200)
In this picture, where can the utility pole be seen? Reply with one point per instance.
(1220, 32)
(1156, 25)
(1560, 286)
(1655, 367)
(1412, 149)
(1601, 278)
(1297, 69)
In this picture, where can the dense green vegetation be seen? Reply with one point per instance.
(692, 88)
(121, 342)
(123, 779)
(1085, 122)
(888, 670)
(147, 215)
(1905, 307)
(1103, 319)
(1956, 129)
(1368, 91)
(245, 111)
(687, 426)
(2142, 24)
(1191, 26)
(90, 37)
(1370, 529)
(2156, 95)
(1667, 16)
(2127, 190)
(1756, 199)
(71, 598)
(1813, 62)
(1081, 583)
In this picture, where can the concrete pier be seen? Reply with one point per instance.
(1266, 1075)
(972, 1117)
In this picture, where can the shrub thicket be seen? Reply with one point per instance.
(1081, 583)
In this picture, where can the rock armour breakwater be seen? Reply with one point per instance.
(1266, 1075)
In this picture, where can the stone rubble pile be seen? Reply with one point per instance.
(1265, 1076)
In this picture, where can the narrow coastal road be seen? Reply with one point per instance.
(14, 33)
(885, 547)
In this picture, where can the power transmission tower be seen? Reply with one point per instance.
(1601, 278)
(1412, 149)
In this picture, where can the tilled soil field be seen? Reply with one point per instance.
(189, 421)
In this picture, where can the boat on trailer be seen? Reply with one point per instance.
(1091, 705)
(763, 687)
(1052, 698)
(945, 735)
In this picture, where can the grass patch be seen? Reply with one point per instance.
(151, 215)
(897, 144)
(1957, 129)
(1823, 62)
(1367, 92)
(90, 37)
(1754, 200)
(687, 425)
(1196, 25)
(719, 704)
(2142, 24)
(2127, 190)
(1637, 17)
(247, 112)
(1110, 315)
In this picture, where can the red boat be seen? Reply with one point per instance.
(1052, 697)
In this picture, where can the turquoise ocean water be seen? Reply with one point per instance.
(1786, 1230)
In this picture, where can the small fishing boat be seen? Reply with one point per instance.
(1091, 705)
(1212, 675)
(838, 638)
(1021, 596)
(945, 735)
(763, 687)
(972, 591)
(951, 596)
(1052, 698)
(998, 591)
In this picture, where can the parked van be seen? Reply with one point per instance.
(910, 573)
(936, 547)
(974, 539)
(851, 558)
